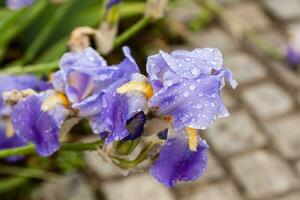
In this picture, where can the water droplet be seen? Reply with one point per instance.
(199, 106)
(186, 94)
(195, 71)
(192, 87)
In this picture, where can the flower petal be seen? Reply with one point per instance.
(36, 126)
(177, 163)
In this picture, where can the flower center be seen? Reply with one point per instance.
(140, 86)
(54, 100)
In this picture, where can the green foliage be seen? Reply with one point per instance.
(68, 161)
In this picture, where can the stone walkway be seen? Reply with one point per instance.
(255, 153)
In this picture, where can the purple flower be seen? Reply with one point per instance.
(34, 124)
(91, 88)
(292, 56)
(18, 4)
(9, 141)
(9, 82)
(176, 162)
(111, 3)
(187, 86)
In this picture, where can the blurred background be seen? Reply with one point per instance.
(254, 154)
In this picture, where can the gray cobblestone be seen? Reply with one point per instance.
(235, 134)
(214, 37)
(136, 187)
(292, 196)
(283, 10)
(246, 69)
(287, 76)
(267, 100)
(263, 174)
(285, 135)
(98, 166)
(229, 100)
(219, 191)
(251, 13)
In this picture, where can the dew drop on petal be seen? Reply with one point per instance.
(195, 71)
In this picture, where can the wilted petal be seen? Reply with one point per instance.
(177, 163)
(36, 126)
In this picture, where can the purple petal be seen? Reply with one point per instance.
(35, 126)
(177, 163)
(10, 82)
(196, 103)
(18, 4)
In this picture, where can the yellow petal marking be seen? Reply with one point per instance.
(53, 100)
(193, 138)
(9, 129)
(140, 86)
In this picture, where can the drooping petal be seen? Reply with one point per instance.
(36, 126)
(9, 141)
(177, 163)
(112, 119)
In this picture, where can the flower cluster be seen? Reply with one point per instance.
(182, 91)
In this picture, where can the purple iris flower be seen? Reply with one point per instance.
(292, 56)
(187, 86)
(177, 163)
(37, 126)
(18, 4)
(111, 3)
(9, 82)
(9, 141)
(91, 87)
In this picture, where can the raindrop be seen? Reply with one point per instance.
(186, 94)
(192, 87)
(195, 71)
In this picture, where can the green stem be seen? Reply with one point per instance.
(127, 164)
(37, 69)
(27, 172)
(121, 39)
(10, 183)
(29, 149)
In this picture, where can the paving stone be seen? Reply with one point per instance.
(228, 99)
(184, 11)
(263, 174)
(136, 187)
(283, 10)
(235, 134)
(69, 187)
(298, 97)
(219, 191)
(285, 134)
(292, 196)
(98, 166)
(289, 77)
(227, 1)
(245, 68)
(250, 13)
(267, 100)
(213, 37)
(298, 166)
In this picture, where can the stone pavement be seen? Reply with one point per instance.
(255, 153)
